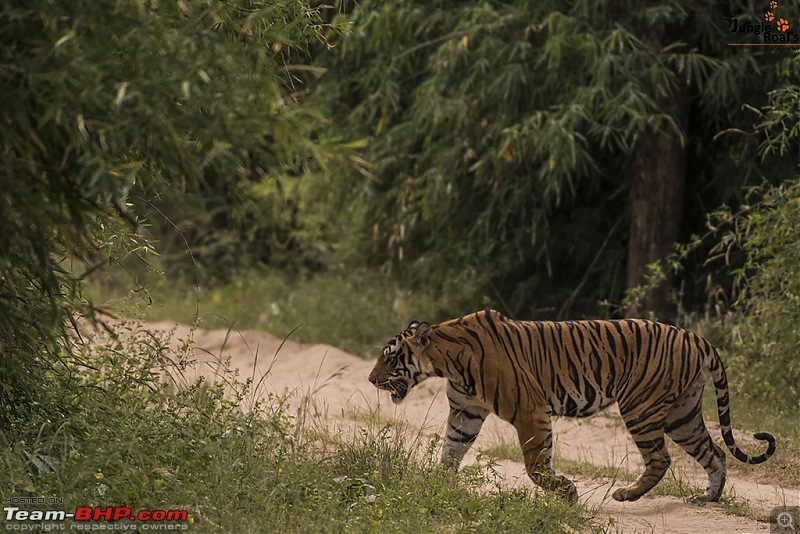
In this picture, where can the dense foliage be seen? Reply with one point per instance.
(503, 137)
(753, 290)
(111, 108)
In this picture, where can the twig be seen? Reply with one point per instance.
(431, 42)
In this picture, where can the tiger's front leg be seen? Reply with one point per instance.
(536, 439)
(463, 425)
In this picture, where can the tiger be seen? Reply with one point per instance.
(526, 372)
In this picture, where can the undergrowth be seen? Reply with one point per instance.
(353, 311)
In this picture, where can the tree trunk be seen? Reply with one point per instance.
(657, 207)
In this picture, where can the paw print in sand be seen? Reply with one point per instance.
(783, 25)
(773, 4)
(769, 16)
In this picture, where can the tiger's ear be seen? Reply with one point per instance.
(413, 324)
(422, 335)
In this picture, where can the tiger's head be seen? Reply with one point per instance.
(402, 363)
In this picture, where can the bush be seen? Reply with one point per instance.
(113, 111)
(135, 433)
(764, 330)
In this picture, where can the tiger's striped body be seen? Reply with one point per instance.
(527, 371)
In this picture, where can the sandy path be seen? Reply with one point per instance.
(338, 381)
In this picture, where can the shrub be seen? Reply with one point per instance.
(764, 331)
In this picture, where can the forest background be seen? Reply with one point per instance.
(346, 168)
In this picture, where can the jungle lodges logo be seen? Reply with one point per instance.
(771, 30)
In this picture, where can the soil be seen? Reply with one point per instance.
(342, 395)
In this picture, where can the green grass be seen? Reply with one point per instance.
(370, 417)
(129, 437)
(501, 449)
(732, 504)
(391, 486)
(353, 311)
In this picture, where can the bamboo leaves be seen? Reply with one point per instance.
(522, 111)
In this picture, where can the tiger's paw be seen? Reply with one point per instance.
(700, 499)
(573, 495)
(622, 494)
(568, 491)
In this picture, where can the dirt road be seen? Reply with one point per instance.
(338, 381)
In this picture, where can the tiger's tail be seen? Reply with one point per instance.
(721, 386)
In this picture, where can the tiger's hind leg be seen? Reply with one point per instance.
(686, 427)
(536, 439)
(648, 433)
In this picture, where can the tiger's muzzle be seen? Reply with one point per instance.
(397, 388)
